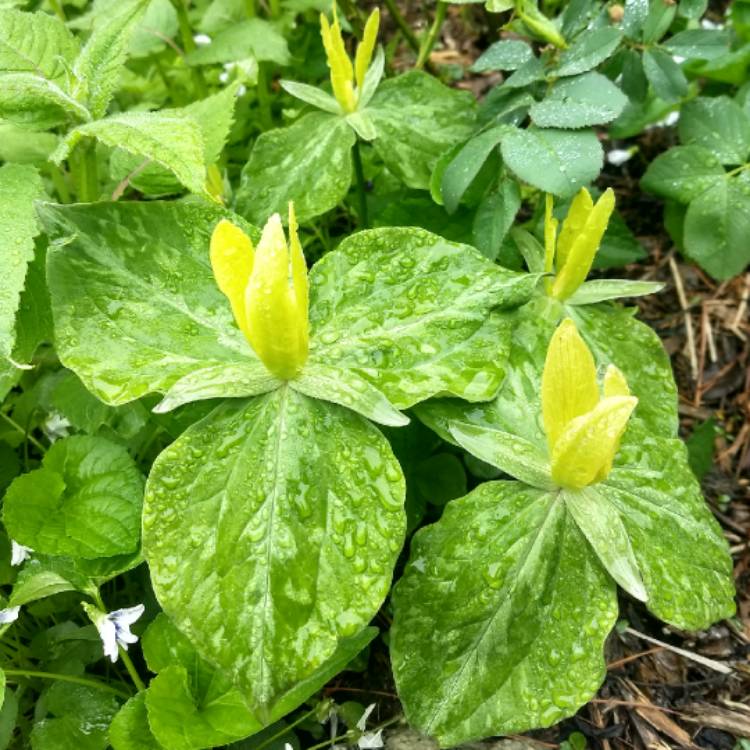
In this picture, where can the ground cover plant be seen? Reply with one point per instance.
(347, 357)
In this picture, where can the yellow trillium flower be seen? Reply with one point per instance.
(583, 427)
(572, 251)
(347, 80)
(268, 290)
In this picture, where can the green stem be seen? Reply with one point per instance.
(287, 728)
(86, 172)
(58, 180)
(404, 27)
(250, 9)
(67, 678)
(364, 221)
(432, 35)
(132, 671)
(264, 97)
(58, 9)
(274, 7)
(28, 437)
(188, 45)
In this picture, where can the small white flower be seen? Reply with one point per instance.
(18, 553)
(202, 39)
(369, 740)
(114, 627)
(708, 24)
(9, 615)
(618, 156)
(56, 426)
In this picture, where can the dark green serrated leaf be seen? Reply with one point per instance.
(719, 125)
(309, 163)
(716, 229)
(699, 44)
(588, 99)
(571, 159)
(683, 173)
(259, 491)
(588, 51)
(507, 54)
(664, 75)
(494, 218)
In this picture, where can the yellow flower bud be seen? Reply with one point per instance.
(344, 76)
(268, 291)
(583, 428)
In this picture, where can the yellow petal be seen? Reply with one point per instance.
(583, 249)
(342, 73)
(550, 233)
(274, 317)
(580, 208)
(364, 51)
(299, 280)
(584, 452)
(569, 386)
(615, 383)
(231, 255)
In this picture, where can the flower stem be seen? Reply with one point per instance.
(86, 171)
(20, 429)
(429, 41)
(264, 98)
(287, 728)
(364, 221)
(128, 662)
(404, 27)
(67, 678)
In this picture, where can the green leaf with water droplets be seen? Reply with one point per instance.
(413, 314)
(683, 173)
(571, 159)
(130, 730)
(718, 124)
(84, 501)
(309, 162)
(20, 186)
(681, 552)
(589, 49)
(135, 302)
(263, 492)
(500, 617)
(417, 120)
(664, 75)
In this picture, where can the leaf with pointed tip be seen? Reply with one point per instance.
(97, 69)
(601, 290)
(20, 186)
(344, 387)
(410, 312)
(682, 555)
(312, 95)
(135, 302)
(600, 522)
(418, 119)
(260, 491)
(171, 140)
(309, 162)
(84, 501)
(500, 617)
(589, 49)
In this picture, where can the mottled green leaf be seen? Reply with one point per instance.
(571, 159)
(601, 290)
(500, 617)
(718, 124)
(97, 69)
(261, 492)
(135, 302)
(408, 311)
(683, 173)
(589, 49)
(681, 552)
(589, 99)
(309, 163)
(16, 146)
(417, 119)
(166, 138)
(312, 95)
(717, 225)
(20, 186)
(84, 501)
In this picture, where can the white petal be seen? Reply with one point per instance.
(362, 723)
(108, 634)
(128, 615)
(19, 553)
(618, 156)
(371, 740)
(9, 615)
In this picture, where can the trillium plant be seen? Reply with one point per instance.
(305, 360)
